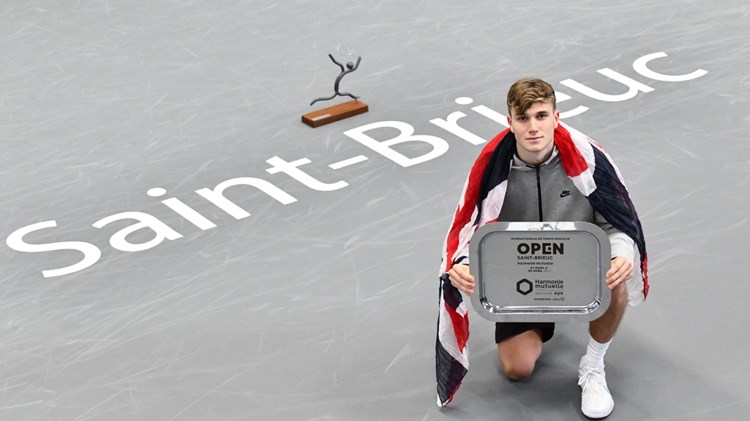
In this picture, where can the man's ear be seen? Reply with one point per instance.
(557, 118)
(510, 126)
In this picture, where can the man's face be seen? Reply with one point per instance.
(534, 130)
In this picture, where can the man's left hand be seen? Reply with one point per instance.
(620, 271)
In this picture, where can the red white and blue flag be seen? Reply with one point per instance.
(592, 171)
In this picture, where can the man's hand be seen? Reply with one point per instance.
(461, 278)
(620, 271)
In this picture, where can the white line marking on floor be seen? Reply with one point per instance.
(347, 162)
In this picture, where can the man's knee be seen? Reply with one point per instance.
(518, 354)
(518, 370)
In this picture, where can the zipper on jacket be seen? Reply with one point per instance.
(539, 191)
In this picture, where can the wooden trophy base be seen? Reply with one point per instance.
(334, 113)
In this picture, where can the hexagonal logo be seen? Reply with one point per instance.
(524, 287)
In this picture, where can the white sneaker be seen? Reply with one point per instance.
(596, 401)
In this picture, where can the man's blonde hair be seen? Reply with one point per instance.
(526, 92)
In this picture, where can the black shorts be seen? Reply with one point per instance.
(506, 330)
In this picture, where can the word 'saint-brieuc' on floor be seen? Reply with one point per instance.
(438, 146)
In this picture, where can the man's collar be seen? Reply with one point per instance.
(519, 163)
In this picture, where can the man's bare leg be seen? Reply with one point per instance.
(519, 353)
(604, 328)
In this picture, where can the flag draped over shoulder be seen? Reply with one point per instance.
(593, 173)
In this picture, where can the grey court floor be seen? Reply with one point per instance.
(179, 246)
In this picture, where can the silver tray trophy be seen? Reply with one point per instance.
(540, 271)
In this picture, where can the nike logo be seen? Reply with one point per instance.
(565, 193)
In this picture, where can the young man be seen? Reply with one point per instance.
(543, 182)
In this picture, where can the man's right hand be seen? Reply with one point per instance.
(462, 279)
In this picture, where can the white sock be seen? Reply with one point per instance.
(595, 353)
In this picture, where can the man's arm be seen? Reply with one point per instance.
(622, 253)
